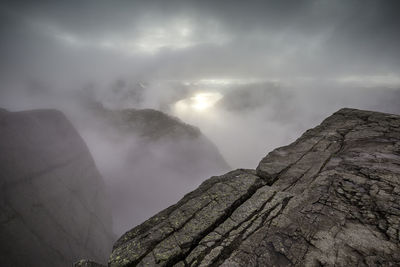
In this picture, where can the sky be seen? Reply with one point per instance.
(252, 75)
(203, 39)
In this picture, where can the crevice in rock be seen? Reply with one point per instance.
(153, 244)
(296, 180)
(227, 251)
(276, 177)
(228, 212)
(251, 217)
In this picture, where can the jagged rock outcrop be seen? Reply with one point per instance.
(331, 198)
(53, 205)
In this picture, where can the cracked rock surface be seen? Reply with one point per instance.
(53, 208)
(331, 198)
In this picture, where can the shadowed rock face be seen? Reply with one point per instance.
(330, 198)
(53, 207)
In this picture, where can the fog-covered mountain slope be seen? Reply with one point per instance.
(53, 205)
(139, 151)
(330, 198)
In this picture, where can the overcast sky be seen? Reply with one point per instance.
(198, 39)
(276, 67)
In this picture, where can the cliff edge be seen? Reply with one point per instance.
(330, 198)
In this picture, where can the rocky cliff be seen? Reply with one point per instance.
(53, 205)
(331, 198)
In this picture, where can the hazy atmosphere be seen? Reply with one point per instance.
(250, 76)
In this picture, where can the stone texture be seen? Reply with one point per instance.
(331, 198)
(53, 205)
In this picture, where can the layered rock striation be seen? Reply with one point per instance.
(331, 198)
(53, 204)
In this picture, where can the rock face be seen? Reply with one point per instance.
(53, 206)
(330, 198)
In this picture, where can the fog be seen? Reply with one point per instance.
(277, 67)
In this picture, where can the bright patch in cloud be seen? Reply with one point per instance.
(200, 102)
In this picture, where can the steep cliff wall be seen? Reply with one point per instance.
(330, 198)
(53, 206)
